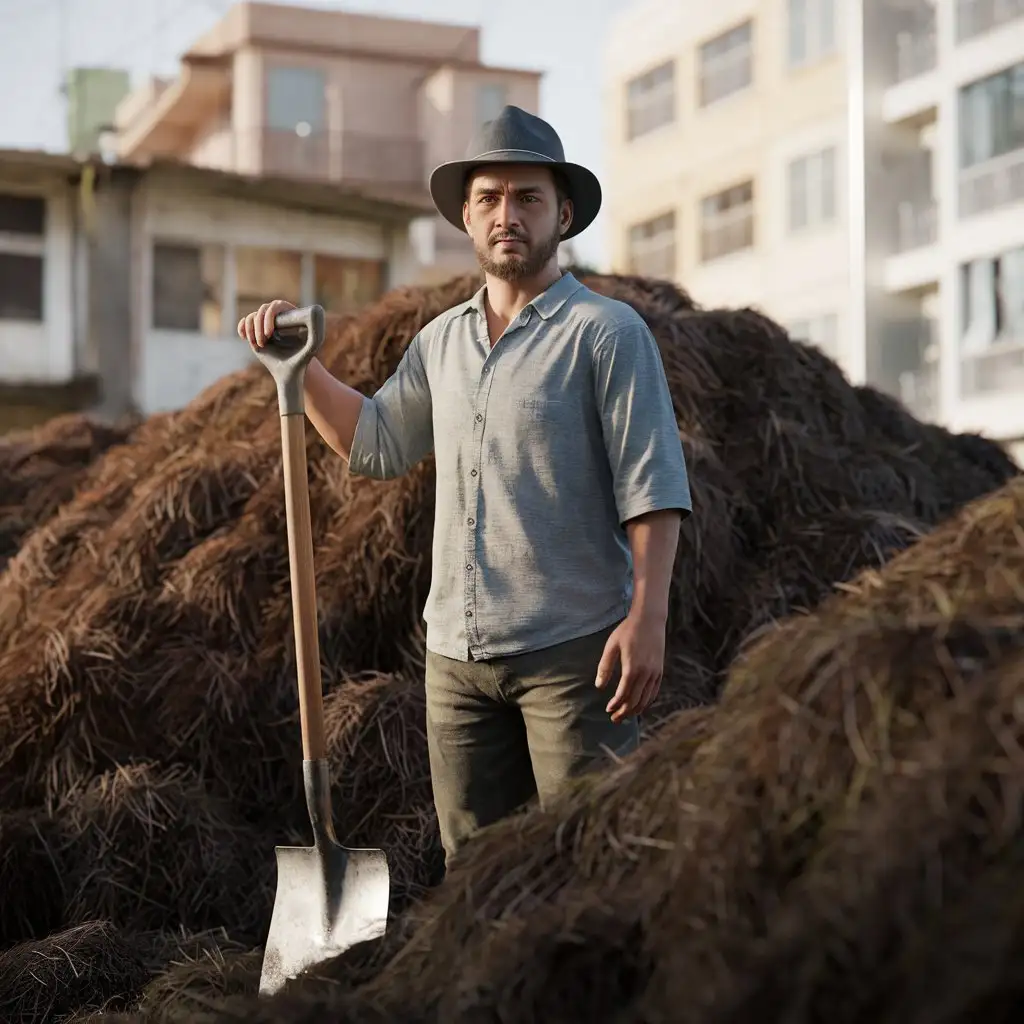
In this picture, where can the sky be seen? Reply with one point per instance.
(564, 39)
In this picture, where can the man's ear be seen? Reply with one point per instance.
(565, 216)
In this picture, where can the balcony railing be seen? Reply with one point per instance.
(997, 368)
(916, 52)
(992, 184)
(329, 156)
(975, 17)
(917, 225)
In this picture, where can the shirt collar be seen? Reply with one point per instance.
(547, 304)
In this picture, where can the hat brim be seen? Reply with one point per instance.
(447, 186)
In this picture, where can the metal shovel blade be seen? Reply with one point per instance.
(329, 897)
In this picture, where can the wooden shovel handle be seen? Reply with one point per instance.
(300, 557)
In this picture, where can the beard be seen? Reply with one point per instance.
(514, 266)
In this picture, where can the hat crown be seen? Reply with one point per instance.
(514, 128)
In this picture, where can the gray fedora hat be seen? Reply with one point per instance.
(515, 137)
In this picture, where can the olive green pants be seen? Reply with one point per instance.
(504, 730)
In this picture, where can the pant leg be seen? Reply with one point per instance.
(568, 730)
(480, 767)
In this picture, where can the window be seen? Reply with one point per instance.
(296, 99)
(652, 247)
(344, 285)
(726, 64)
(22, 242)
(821, 330)
(974, 17)
(812, 189)
(812, 30)
(992, 291)
(23, 215)
(992, 117)
(727, 221)
(490, 99)
(265, 274)
(992, 342)
(651, 100)
(188, 288)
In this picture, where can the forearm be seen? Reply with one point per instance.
(653, 538)
(332, 407)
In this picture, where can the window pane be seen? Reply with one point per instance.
(798, 194)
(827, 25)
(797, 31)
(344, 285)
(828, 184)
(22, 215)
(188, 288)
(294, 96)
(490, 99)
(265, 274)
(21, 287)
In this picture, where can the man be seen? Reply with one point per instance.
(561, 485)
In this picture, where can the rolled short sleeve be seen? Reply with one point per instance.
(395, 427)
(641, 435)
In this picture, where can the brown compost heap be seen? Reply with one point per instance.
(149, 748)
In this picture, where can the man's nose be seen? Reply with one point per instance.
(508, 212)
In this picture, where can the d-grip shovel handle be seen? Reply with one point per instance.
(298, 335)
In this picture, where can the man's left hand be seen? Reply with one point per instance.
(638, 645)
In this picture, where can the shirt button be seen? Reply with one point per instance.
(486, 370)
(471, 521)
(472, 472)
(479, 418)
(469, 568)
(469, 614)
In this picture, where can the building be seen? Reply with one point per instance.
(855, 168)
(121, 287)
(330, 97)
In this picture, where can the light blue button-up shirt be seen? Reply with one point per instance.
(545, 445)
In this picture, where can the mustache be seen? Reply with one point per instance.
(507, 236)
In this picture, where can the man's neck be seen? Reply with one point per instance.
(507, 298)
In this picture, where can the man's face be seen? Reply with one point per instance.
(513, 217)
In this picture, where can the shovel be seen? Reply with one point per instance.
(328, 897)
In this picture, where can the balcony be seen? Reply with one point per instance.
(917, 224)
(330, 156)
(343, 156)
(994, 183)
(998, 368)
(976, 17)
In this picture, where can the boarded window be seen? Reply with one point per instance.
(188, 288)
(344, 285)
(265, 274)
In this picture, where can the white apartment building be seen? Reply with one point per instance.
(855, 168)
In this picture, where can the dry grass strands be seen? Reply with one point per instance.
(91, 967)
(789, 854)
(41, 468)
(147, 624)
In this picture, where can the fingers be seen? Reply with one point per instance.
(635, 693)
(257, 327)
(609, 657)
